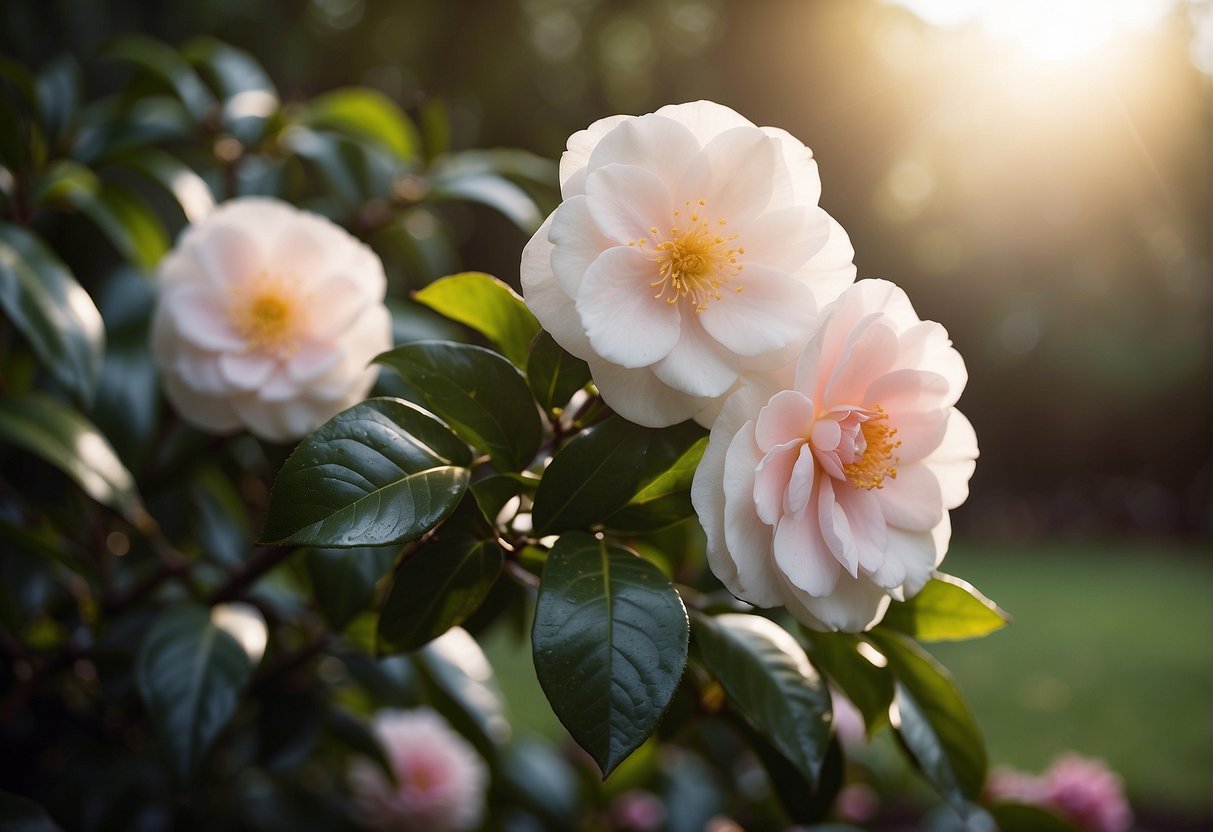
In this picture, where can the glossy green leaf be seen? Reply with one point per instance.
(343, 580)
(478, 393)
(247, 95)
(179, 179)
(935, 722)
(436, 588)
(769, 679)
(59, 435)
(554, 374)
(664, 499)
(112, 127)
(191, 674)
(167, 64)
(61, 182)
(353, 171)
(947, 609)
(43, 301)
(380, 473)
(516, 164)
(126, 220)
(1025, 817)
(366, 114)
(462, 686)
(805, 801)
(609, 644)
(869, 686)
(496, 192)
(488, 306)
(603, 468)
(58, 91)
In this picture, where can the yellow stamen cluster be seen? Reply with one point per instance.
(266, 313)
(696, 260)
(877, 460)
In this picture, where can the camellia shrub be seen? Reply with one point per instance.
(268, 492)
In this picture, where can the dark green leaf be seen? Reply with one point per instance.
(603, 468)
(492, 493)
(664, 499)
(12, 138)
(609, 644)
(554, 374)
(58, 90)
(44, 302)
(179, 179)
(868, 686)
(125, 219)
(220, 518)
(354, 171)
(496, 192)
(165, 63)
(20, 814)
(517, 164)
(191, 674)
(49, 429)
(543, 781)
(64, 181)
(380, 473)
(479, 394)
(488, 306)
(769, 679)
(366, 114)
(947, 609)
(109, 127)
(343, 580)
(935, 722)
(1025, 817)
(462, 687)
(805, 801)
(246, 93)
(436, 588)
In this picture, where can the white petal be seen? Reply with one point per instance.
(695, 364)
(626, 202)
(705, 119)
(784, 239)
(747, 539)
(638, 395)
(867, 523)
(787, 416)
(832, 269)
(231, 255)
(308, 247)
(580, 145)
(332, 306)
(213, 414)
(853, 606)
(909, 562)
(201, 316)
(576, 243)
(953, 462)
(802, 183)
(802, 554)
(657, 144)
(263, 419)
(246, 371)
(771, 311)
(199, 370)
(311, 361)
(626, 325)
(912, 500)
(743, 164)
(926, 346)
(546, 299)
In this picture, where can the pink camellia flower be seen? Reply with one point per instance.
(268, 318)
(1088, 793)
(826, 488)
(689, 248)
(441, 780)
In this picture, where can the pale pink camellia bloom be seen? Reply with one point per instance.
(825, 488)
(1087, 793)
(689, 248)
(440, 779)
(267, 319)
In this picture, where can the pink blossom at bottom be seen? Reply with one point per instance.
(441, 780)
(1082, 790)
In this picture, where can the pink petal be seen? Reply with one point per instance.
(853, 606)
(909, 562)
(872, 352)
(826, 434)
(907, 391)
(695, 365)
(836, 528)
(311, 361)
(626, 325)
(771, 478)
(626, 202)
(800, 485)
(919, 433)
(230, 255)
(747, 539)
(867, 523)
(771, 311)
(912, 500)
(246, 371)
(802, 555)
(332, 306)
(305, 247)
(213, 414)
(201, 316)
(927, 346)
(953, 461)
(787, 416)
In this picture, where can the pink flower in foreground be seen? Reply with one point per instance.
(441, 779)
(267, 319)
(689, 248)
(828, 491)
(1087, 793)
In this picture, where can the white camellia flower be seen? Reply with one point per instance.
(827, 489)
(689, 248)
(268, 318)
(440, 779)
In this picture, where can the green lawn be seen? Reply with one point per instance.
(1109, 654)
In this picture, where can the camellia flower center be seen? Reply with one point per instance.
(696, 259)
(267, 314)
(875, 459)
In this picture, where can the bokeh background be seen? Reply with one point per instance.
(1035, 174)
